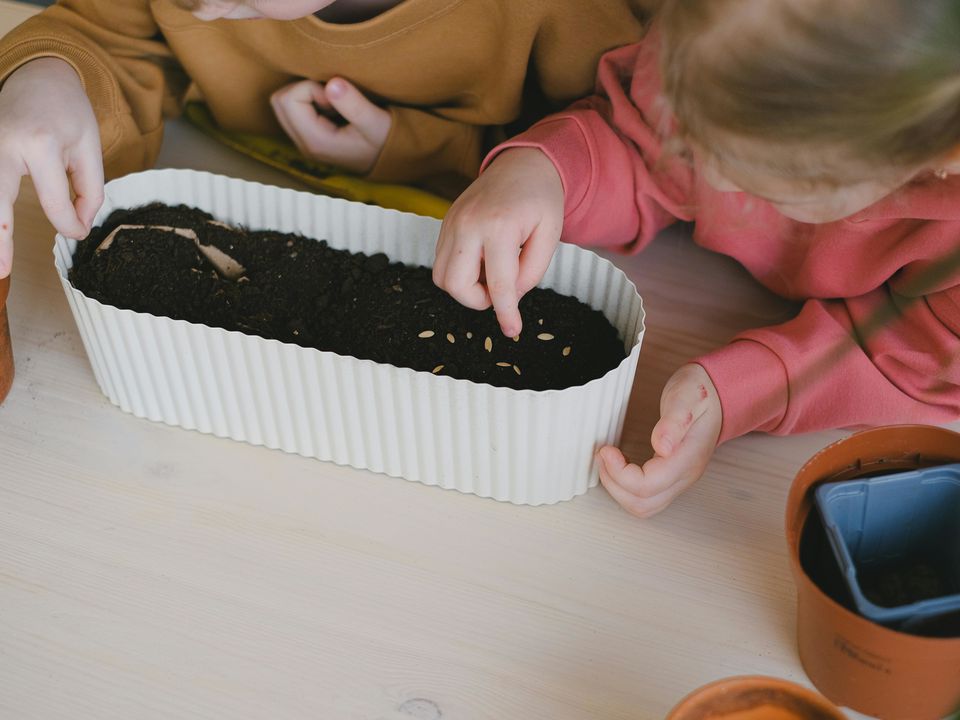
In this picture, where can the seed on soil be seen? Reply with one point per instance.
(450, 338)
(566, 350)
(503, 364)
(516, 369)
(437, 369)
(426, 334)
(488, 345)
(469, 336)
(289, 243)
(516, 338)
(544, 336)
(243, 279)
(540, 321)
(397, 288)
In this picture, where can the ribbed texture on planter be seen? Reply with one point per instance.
(522, 446)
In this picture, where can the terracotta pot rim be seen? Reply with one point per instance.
(796, 519)
(744, 682)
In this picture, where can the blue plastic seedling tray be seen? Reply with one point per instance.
(897, 540)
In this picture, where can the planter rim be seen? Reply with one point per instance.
(739, 683)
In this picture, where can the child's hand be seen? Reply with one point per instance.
(354, 146)
(498, 238)
(684, 440)
(48, 130)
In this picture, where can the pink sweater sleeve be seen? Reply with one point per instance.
(620, 186)
(885, 357)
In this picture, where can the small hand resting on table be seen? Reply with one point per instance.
(683, 442)
(354, 146)
(48, 131)
(495, 245)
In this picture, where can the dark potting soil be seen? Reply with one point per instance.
(908, 581)
(302, 291)
(820, 564)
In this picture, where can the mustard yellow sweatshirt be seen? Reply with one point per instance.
(448, 70)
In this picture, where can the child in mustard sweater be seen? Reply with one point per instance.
(395, 90)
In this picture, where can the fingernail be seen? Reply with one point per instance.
(335, 88)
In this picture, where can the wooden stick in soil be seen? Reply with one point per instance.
(225, 265)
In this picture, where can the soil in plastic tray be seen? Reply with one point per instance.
(907, 581)
(302, 291)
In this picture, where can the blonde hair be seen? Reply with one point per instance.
(876, 82)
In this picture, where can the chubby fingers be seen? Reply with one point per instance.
(53, 190)
(369, 119)
(535, 256)
(478, 265)
(85, 168)
(354, 146)
(687, 397)
(502, 269)
(646, 490)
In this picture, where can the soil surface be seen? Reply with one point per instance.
(905, 582)
(302, 291)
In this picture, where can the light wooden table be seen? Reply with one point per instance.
(151, 572)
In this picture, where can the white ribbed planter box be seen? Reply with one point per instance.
(523, 446)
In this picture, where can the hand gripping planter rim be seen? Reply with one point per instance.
(522, 446)
(853, 661)
(6, 346)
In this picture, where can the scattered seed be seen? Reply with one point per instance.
(296, 332)
(397, 288)
(469, 336)
(289, 243)
(450, 338)
(544, 336)
(516, 369)
(243, 279)
(503, 364)
(293, 255)
(488, 345)
(437, 369)
(516, 338)
(540, 321)
(566, 350)
(426, 334)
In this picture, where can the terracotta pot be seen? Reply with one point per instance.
(853, 661)
(754, 698)
(6, 349)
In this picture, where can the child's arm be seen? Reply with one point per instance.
(889, 356)
(125, 68)
(613, 191)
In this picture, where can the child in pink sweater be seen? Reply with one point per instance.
(816, 142)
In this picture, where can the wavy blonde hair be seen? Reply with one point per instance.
(875, 83)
